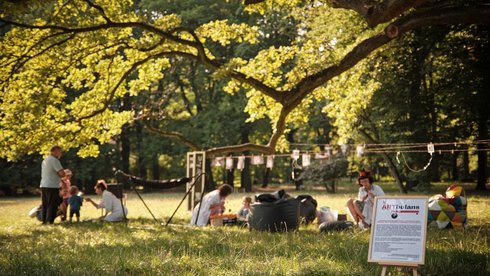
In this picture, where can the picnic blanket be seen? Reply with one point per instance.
(449, 210)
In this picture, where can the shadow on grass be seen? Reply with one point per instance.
(142, 247)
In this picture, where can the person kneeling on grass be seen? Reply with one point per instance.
(361, 209)
(112, 204)
(213, 203)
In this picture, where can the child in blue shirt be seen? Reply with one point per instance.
(75, 202)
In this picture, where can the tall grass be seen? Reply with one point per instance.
(144, 247)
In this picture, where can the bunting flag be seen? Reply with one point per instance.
(343, 148)
(320, 156)
(360, 150)
(229, 163)
(241, 163)
(295, 154)
(305, 160)
(270, 162)
(217, 162)
(328, 151)
(257, 160)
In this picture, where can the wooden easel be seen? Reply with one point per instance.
(385, 268)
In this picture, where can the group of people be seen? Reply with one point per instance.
(57, 193)
(360, 209)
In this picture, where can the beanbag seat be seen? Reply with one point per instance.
(449, 210)
(282, 214)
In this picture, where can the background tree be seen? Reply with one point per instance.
(72, 62)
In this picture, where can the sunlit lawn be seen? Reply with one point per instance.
(145, 247)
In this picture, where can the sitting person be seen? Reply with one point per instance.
(212, 204)
(112, 204)
(245, 210)
(75, 202)
(361, 209)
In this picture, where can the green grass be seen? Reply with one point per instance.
(145, 247)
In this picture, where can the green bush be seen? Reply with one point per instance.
(325, 172)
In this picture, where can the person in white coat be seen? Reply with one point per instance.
(361, 209)
(112, 204)
(212, 203)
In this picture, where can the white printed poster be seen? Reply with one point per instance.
(399, 230)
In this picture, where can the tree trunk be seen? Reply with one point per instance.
(125, 142)
(466, 166)
(139, 150)
(265, 181)
(155, 169)
(245, 179)
(483, 100)
(394, 173)
(210, 184)
(230, 177)
(482, 157)
(454, 167)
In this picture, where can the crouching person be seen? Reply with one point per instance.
(112, 205)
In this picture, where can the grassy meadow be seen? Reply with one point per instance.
(144, 247)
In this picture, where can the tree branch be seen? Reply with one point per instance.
(196, 44)
(108, 101)
(375, 14)
(19, 62)
(175, 135)
(98, 8)
(480, 14)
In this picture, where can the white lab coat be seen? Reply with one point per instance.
(113, 207)
(367, 211)
(211, 198)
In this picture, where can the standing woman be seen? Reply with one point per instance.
(212, 203)
(361, 209)
(112, 204)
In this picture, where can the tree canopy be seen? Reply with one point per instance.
(79, 72)
(66, 63)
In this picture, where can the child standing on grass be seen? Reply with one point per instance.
(75, 202)
(245, 210)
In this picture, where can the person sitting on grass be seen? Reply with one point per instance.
(75, 202)
(361, 209)
(112, 205)
(211, 204)
(245, 210)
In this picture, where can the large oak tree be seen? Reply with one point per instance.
(63, 64)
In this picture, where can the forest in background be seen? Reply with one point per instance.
(428, 85)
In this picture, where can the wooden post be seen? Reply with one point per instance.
(385, 269)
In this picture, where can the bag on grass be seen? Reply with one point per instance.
(336, 226)
(307, 208)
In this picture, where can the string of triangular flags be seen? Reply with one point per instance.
(345, 149)
(256, 160)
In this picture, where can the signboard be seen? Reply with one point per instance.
(196, 164)
(399, 230)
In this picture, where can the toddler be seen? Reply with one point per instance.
(75, 202)
(243, 212)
